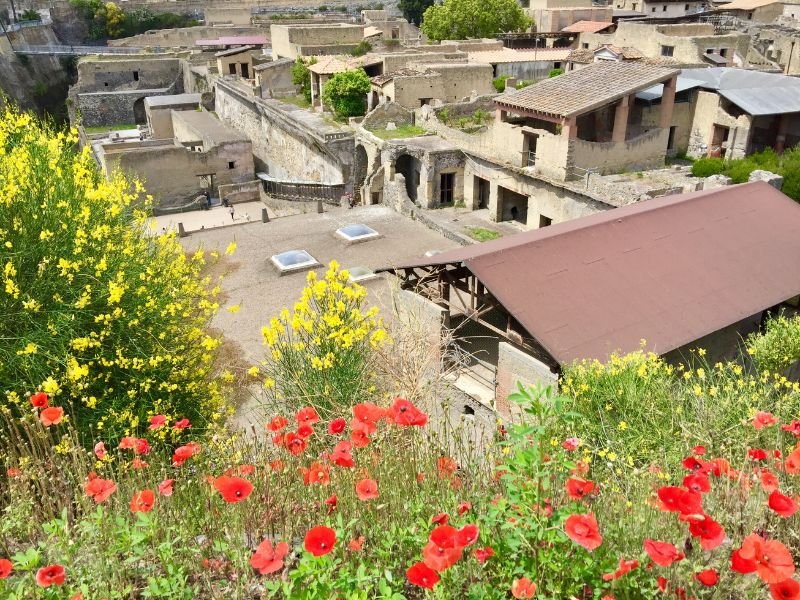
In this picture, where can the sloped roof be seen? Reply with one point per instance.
(328, 65)
(752, 4)
(586, 89)
(233, 51)
(587, 27)
(669, 270)
(755, 92)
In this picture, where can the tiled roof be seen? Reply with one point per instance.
(587, 26)
(233, 51)
(586, 89)
(328, 65)
(582, 55)
(626, 52)
(507, 55)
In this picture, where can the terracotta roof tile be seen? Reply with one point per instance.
(587, 27)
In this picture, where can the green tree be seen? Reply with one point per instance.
(301, 76)
(462, 19)
(555, 72)
(345, 93)
(414, 9)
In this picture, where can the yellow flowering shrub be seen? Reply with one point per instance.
(778, 347)
(320, 353)
(96, 310)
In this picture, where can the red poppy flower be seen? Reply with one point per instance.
(143, 501)
(446, 466)
(662, 584)
(440, 558)
(792, 463)
(316, 473)
(693, 464)
(440, 519)
(697, 482)
(710, 532)
(141, 446)
(769, 481)
(359, 438)
(157, 421)
(331, 503)
(662, 553)
(138, 463)
(773, 560)
(764, 419)
(793, 427)
(320, 540)
(782, 504)
(788, 589)
(405, 414)
(367, 489)
(100, 450)
(51, 416)
(233, 489)
(571, 444)
(50, 575)
(523, 588)
(578, 488)
(467, 535)
(184, 453)
(342, 455)
(708, 578)
(99, 489)
(699, 450)
(305, 431)
(757, 454)
(127, 443)
(482, 554)
(742, 565)
(675, 499)
(165, 487)
(423, 576)
(306, 416)
(182, 424)
(583, 530)
(719, 467)
(39, 400)
(13, 472)
(277, 423)
(625, 566)
(337, 426)
(5, 568)
(366, 417)
(294, 443)
(276, 465)
(357, 544)
(267, 559)
(463, 508)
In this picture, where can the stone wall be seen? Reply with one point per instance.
(236, 193)
(682, 119)
(388, 112)
(555, 19)
(115, 108)
(515, 366)
(709, 112)
(291, 41)
(128, 73)
(275, 79)
(288, 142)
(186, 37)
(646, 151)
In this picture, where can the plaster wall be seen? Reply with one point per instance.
(646, 151)
(186, 37)
(160, 121)
(291, 41)
(671, 9)
(113, 108)
(709, 112)
(448, 83)
(275, 79)
(682, 119)
(555, 19)
(393, 62)
(515, 366)
(237, 60)
(529, 71)
(126, 73)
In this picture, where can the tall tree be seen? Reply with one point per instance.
(413, 9)
(346, 93)
(462, 19)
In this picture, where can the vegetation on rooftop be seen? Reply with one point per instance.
(787, 165)
(401, 131)
(637, 478)
(483, 234)
(301, 76)
(466, 19)
(361, 49)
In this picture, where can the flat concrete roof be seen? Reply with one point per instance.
(254, 284)
(208, 126)
(174, 100)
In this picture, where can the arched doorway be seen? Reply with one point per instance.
(410, 168)
(139, 116)
(359, 171)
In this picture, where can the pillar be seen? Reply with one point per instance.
(569, 128)
(495, 207)
(780, 138)
(181, 230)
(621, 120)
(668, 103)
(264, 216)
(500, 115)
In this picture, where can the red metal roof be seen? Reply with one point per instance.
(669, 270)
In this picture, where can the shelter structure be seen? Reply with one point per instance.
(666, 275)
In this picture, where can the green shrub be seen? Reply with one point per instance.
(98, 313)
(301, 76)
(361, 49)
(345, 93)
(555, 72)
(523, 84)
(778, 347)
(705, 167)
(500, 83)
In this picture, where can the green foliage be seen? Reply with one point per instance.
(106, 319)
(482, 234)
(301, 76)
(705, 167)
(500, 83)
(322, 8)
(402, 131)
(523, 83)
(555, 72)
(30, 15)
(414, 9)
(346, 92)
(363, 47)
(463, 19)
(107, 20)
(778, 347)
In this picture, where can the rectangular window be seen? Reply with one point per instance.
(545, 221)
(653, 9)
(667, 50)
(585, 46)
(723, 52)
(245, 71)
(232, 69)
(446, 188)
(231, 164)
(664, 8)
(136, 75)
(685, 7)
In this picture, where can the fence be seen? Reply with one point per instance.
(329, 193)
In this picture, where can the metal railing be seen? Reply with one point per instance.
(330, 193)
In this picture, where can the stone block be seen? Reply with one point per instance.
(716, 181)
(774, 180)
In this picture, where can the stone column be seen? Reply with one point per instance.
(495, 210)
(569, 128)
(668, 103)
(780, 138)
(621, 120)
